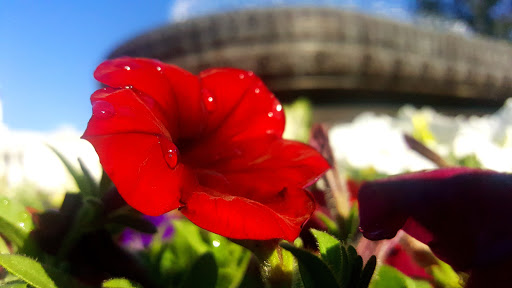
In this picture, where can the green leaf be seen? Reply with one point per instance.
(345, 268)
(14, 284)
(12, 233)
(444, 275)
(120, 283)
(27, 269)
(332, 227)
(83, 185)
(352, 222)
(367, 273)
(15, 222)
(314, 272)
(330, 250)
(169, 262)
(390, 277)
(357, 266)
(3, 247)
(91, 183)
(135, 222)
(203, 273)
(105, 182)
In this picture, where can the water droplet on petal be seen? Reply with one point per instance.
(103, 109)
(279, 107)
(250, 73)
(169, 151)
(158, 68)
(241, 76)
(128, 87)
(127, 68)
(209, 100)
(257, 90)
(270, 114)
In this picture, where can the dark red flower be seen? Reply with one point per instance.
(210, 145)
(464, 215)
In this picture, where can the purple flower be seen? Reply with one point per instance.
(137, 241)
(464, 215)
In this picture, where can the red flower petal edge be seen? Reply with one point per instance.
(210, 145)
(464, 215)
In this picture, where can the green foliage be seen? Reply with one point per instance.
(366, 174)
(332, 227)
(171, 262)
(83, 177)
(133, 221)
(206, 267)
(15, 222)
(299, 116)
(389, 277)
(349, 226)
(14, 284)
(119, 283)
(27, 269)
(36, 274)
(330, 250)
(444, 275)
(313, 271)
(468, 161)
(339, 266)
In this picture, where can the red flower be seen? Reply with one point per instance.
(210, 145)
(464, 215)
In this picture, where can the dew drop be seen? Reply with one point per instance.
(5, 202)
(257, 90)
(270, 114)
(215, 243)
(279, 107)
(209, 100)
(103, 109)
(169, 151)
(127, 68)
(158, 68)
(250, 73)
(241, 76)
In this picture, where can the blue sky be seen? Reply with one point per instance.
(49, 50)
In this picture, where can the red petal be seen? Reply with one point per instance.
(146, 76)
(227, 88)
(462, 214)
(190, 108)
(261, 167)
(136, 165)
(258, 115)
(129, 140)
(121, 111)
(281, 216)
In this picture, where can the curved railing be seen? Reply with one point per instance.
(319, 49)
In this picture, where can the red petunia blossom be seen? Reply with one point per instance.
(210, 145)
(464, 215)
